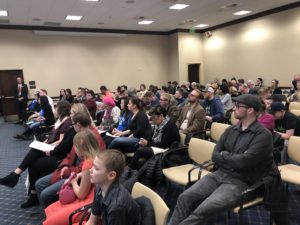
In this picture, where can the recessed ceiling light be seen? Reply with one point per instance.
(3, 13)
(202, 25)
(146, 22)
(72, 17)
(178, 6)
(240, 13)
(91, 0)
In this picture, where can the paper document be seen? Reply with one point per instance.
(111, 135)
(158, 150)
(101, 131)
(41, 146)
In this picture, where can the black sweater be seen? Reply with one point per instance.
(140, 127)
(170, 134)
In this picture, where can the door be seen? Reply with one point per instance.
(8, 83)
(193, 73)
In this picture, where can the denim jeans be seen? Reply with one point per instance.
(47, 192)
(124, 144)
(214, 193)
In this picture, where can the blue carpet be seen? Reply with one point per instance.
(11, 154)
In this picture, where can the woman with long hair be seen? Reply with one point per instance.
(86, 147)
(39, 162)
(43, 117)
(139, 127)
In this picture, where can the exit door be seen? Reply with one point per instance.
(193, 73)
(8, 82)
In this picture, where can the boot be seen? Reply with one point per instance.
(18, 136)
(31, 201)
(10, 180)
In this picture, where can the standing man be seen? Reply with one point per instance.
(21, 95)
(243, 156)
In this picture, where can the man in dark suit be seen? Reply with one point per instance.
(21, 95)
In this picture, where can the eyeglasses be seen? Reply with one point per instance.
(163, 99)
(240, 106)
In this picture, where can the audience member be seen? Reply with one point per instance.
(105, 92)
(286, 123)
(165, 133)
(225, 98)
(192, 116)
(266, 119)
(213, 107)
(138, 127)
(43, 117)
(62, 95)
(86, 148)
(69, 96)
(81, 95)
(43, 92)
(110, 118)
(90, 103)
(48, 186)
(44, 162)
(295, 97)
(171, 107)
(150, 100)
(243, 156)
(112, 202)
(275, 90)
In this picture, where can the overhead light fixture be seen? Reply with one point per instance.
(241, 13)
(178, 6)
(3, 13)
(73, 17)
(146, 22)
(91, 0)
(201, 25)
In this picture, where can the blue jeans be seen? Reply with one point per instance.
(214, 193)
(47, 192)
(124, 144)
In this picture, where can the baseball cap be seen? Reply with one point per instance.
(277, 106)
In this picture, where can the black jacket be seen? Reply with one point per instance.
(140, 127)
(246, 155)
(170, 134)
(118, 207)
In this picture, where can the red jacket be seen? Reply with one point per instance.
(70, 160)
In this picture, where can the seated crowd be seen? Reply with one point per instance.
(91, 135)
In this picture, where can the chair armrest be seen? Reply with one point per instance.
(201, 167)
(84, 210)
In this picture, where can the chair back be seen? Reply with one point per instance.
(161, 210)
(293, 148)
(217, 129)
(200, 150)
(294, 105)
(295, 111)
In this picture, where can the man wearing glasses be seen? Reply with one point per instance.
(192, 116)
(243, 156)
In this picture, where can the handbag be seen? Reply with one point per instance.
(66, 192)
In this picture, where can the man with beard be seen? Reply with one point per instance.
(192, 116)
(243, 156)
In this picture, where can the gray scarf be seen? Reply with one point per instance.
(158, 129)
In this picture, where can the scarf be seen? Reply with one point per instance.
(158, 129)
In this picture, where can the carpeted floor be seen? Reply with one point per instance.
(12, 152)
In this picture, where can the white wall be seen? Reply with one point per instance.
(173, 57)
(190, 52)
(56, 62)
(267, 47)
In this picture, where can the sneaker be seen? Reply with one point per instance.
(31, 201)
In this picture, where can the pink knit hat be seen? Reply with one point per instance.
(109, 101)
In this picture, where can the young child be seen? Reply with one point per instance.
(113, 205)
(86, 147)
